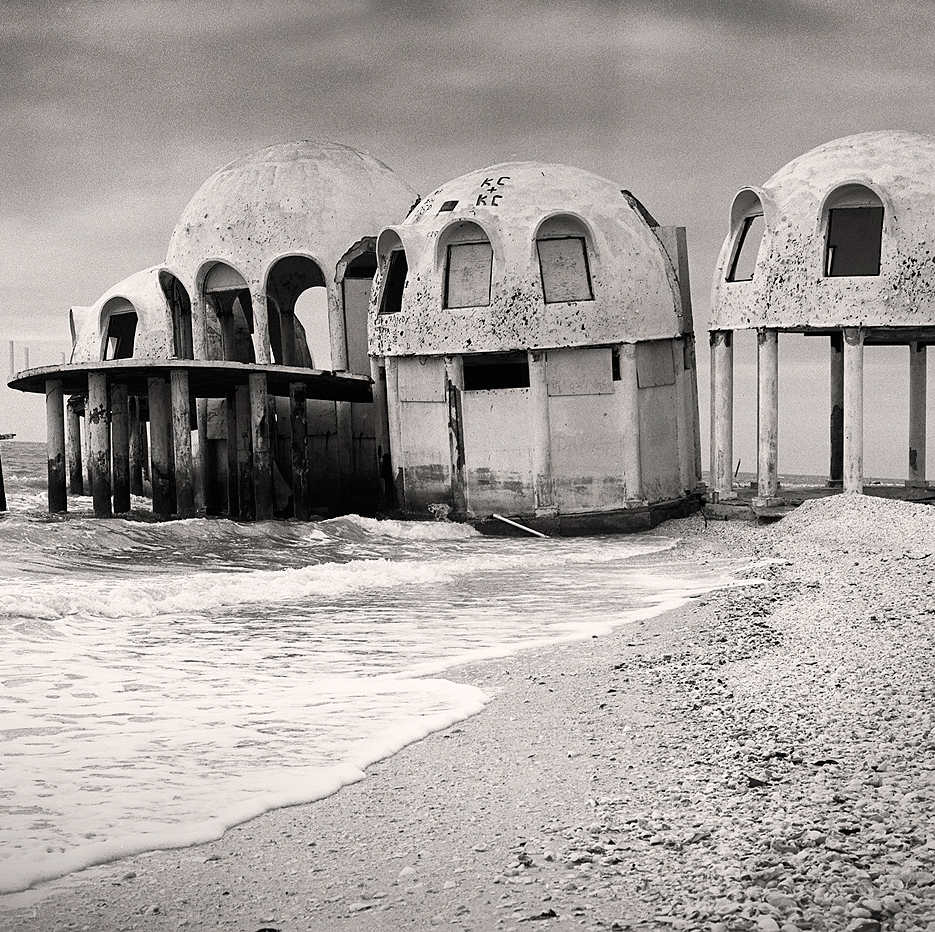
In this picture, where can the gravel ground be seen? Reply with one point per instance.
(762, 759)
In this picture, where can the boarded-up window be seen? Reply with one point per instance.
(396, 271)
(747, 249)
(580, 371)
(654, 364)
(467, 283)
(564, 266)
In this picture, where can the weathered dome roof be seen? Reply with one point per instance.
(790, 287)
(632, 279)
(313, 198)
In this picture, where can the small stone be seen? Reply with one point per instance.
(767, 924)
(407, 871)
(360, 907)
(449, 885)
(863, 925)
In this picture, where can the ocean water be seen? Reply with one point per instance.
(161, 682)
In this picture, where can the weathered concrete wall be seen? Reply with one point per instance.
(789, 289)
(659, 421)
(635, 292)
(154, 320)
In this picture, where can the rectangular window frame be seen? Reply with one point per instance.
(447, 296)
(587, 269)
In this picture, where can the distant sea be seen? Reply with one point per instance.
(161, 682)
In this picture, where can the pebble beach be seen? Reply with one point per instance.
(761, 759)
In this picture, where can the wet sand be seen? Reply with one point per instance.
(761, 759)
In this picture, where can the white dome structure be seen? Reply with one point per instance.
(840, 242)
(531, 331)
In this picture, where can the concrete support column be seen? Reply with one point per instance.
(55, 445)
(136, 446)
(722, 365)
(394, 424)
(244, 448)
(454, 386)
(853, 410)
(287, 339)
(262, 454)
(182, 443)
(347, 481)
(382, 428)
(73, 446)
(685, 422)
(767, 417)
(917, 412)
(628, 390)
(336, 328)
(836, 383)
(120, 419)
(298, 418)
(160, 432)
(543, 486)
(98, 413)
(260, 327)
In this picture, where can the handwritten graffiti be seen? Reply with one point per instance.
(491, 193)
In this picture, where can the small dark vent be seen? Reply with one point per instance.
(448, 205)
(634, 202)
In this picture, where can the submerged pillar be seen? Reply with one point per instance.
(394, 425)
(298, 419)
(767, 417)
(917, 412)
(120, 418)
(454, 387)
(75, 474)
(262, 455)
(160, 419)
(182, 443)
(722, 365)
(630, 423)
(836, 468)
(853, 410)
(543, 486)
(244, 466)
(98, 414)
(55, 446)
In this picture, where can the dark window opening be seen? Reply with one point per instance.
(505, 370)
(467, 278)
(615, 364)
(855, 236)
(448, 205)
(121, 332)
(563, 263)
(363, 266)
(180, 307)
(396, 272)
(746, 249)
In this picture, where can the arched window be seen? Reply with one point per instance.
(119, 319)
(747, 221)
(180, 307)
(854, 234)
(395, 271)
(298, 313)
(561, 245)
(468, 266)
(356, 286)
(227, 293)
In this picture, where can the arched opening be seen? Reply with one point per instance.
(227, 294)
(854, 232)
(561, 244)
(395, 268)
(290, 316)
(468, 266)
(749, 226)
(356, 286)
(180, 307)
(118, 324)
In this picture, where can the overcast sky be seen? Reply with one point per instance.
(113, 114)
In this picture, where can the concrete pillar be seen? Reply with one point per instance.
(853, 410)
(55, 445)
(686, 415)
(262, 452)
(917, 412)
(298, 419)
(382, 430)
(233, 486)
(98, 415)
(244, 466)
(454, 387)
(836, 383)
(394, 424)
(183, 465)
(336, 328)
(120, 419)
(628, 392)
(160, 431)
(767, 341)
(260, 327)
(137, 430)
(287, 339)
(346, 460)
(75, 474)
(722, 364)
(543, 486)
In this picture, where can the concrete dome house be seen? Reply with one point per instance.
(838, 243)
(531, 336)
